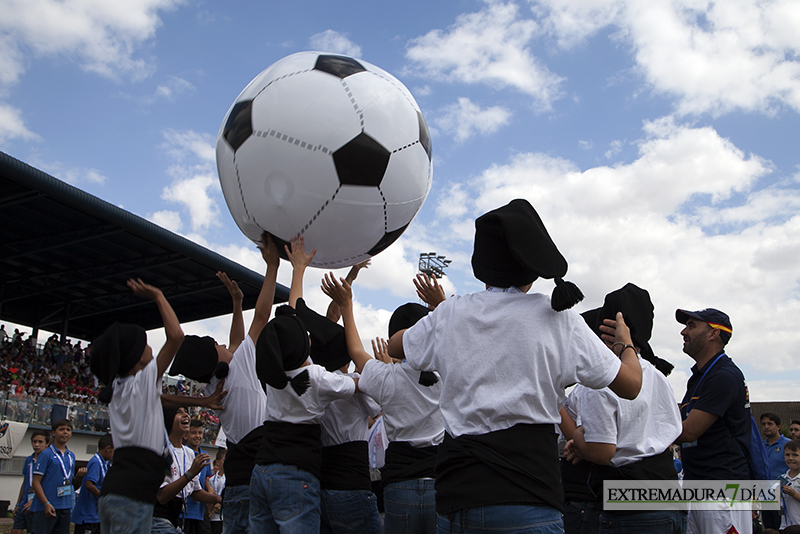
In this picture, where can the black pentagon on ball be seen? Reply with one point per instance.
(387, 239)
(239, 125)
(340, 66)
(424, 135)
(362, 161)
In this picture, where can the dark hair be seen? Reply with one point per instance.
(792, 446)
(194, 423)
(769, 415)
(220, 454)
(105, 441)
(794, 422)
(59, 423)
(40, 432)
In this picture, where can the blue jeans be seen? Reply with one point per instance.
(581, 517)
(284, 499)
(656, 522)
(163, 526)
(236, 510)
(410, 507)
(121, 515)
(350, 512)
(505, 519)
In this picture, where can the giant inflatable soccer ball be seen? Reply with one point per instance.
(327, 147)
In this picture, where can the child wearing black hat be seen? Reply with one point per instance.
(410, 402)
(285, 487)
(505, 357)
(204, 360)
(627, 439)
(124, 364)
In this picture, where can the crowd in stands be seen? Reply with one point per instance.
(57, 370)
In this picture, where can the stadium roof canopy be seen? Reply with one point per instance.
(65, 256)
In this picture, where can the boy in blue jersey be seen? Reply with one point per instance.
(85, 513)
(195, 513)
(23, 518)
(52, 483)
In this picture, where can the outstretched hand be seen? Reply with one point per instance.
(616, 331)
(231, 286)
(269, 250)
(213, 401)
(144, 290)
(354, 270)
(339, 291)
(429, 290)
(297, 254)
(380, 348)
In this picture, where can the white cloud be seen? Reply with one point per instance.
(614, 148)
(488, 47)
(100, 36)
(72, 175)
(195, 184)
(713, 57)
(171, 220)
(175, 86)
(335, 42)
(12, 126)
(464, 118)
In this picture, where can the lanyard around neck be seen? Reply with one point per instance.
(66, 469)
(688, 404)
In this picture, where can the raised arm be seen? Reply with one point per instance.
(172, 327)
(628, 381)
(237, 321)
(269, 251)
(342, 294)
(212, 402)
(299, 260)
(333, 312)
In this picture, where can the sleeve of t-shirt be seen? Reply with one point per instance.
(42, 463)
(419, 342)
(595, 365)
(573, 404)
(599, 416)
(93, 471)
(372, 407)
(333, 387)
(377, 380)
(718, 392)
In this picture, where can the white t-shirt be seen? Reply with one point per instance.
(182, 459)
(286, 406)
(791, 507)
(410, 410)
(505, 359)
(347, 420)
(246, 403)
(639, 428)
(135, 410)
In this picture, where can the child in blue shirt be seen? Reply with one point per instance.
(23, 518)
(84, 515)
(52, 483)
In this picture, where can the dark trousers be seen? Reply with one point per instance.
(45, 524)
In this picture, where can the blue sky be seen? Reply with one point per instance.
(658, 140)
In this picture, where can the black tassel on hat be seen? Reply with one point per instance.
(565, 295)
(513, 248)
